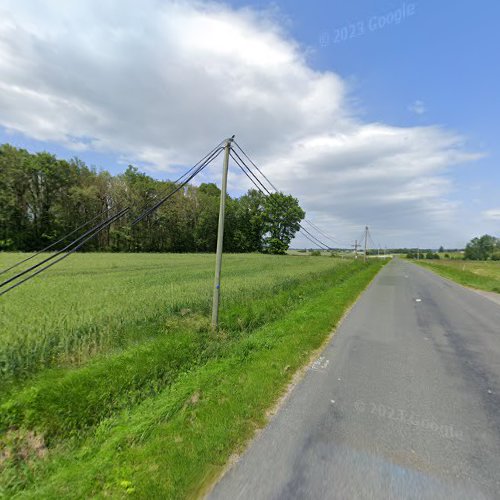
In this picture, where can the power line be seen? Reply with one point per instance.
(204, 162)
(323, 233)
(67, 254)
(326, 235)
(104, 226)
(307, 221)
(94, 219)
(94, 231)
(59, 252)
(55, 243)
(313, 239)
(244, 166)
(258, 169)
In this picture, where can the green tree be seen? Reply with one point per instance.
(248, 231)
(281, 220)
(43, 198)
(14, 182)
(207, 218)
(481, 248)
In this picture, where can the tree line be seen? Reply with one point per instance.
(485, 247)
(43, 198)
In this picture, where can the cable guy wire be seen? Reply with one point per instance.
(204, 162)
(36, 273)
(243, 166)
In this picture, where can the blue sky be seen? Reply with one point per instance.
(320, 113)
(445, 54)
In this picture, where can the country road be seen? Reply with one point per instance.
(404, 402)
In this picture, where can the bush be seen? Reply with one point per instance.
(431, 255)
(7, 244)
(316, 253)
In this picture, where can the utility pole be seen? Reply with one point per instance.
(355, 248)
(220, 235)
(366, 240)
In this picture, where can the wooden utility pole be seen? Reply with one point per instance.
(220, 235)
(366, 240)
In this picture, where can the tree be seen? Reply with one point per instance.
(441, 249)
(43, 198)
(281, 220)
(481, 248)
(207, 218)
(248, 231)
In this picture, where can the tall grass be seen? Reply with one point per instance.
(484, 275)
(63, 403)
(96, 303)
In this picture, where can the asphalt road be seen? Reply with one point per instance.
(403, 403)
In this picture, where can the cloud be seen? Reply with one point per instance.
(417, 107)
(160, 83)
(492, 214)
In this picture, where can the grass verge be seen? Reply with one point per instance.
(481, 275)
(172, 444)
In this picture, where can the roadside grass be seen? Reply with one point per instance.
(484, 275)
(63, 403)
(158, 414)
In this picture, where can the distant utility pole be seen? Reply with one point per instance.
(366, 240)
(220, 234)
(356, 245)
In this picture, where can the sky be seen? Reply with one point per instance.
(371, 113)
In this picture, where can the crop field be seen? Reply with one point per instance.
(103, 350)
(94, 303)
(484, 275)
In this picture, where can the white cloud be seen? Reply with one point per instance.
(492, 214)
(418, 107)
(160, 83)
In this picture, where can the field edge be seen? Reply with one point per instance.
(296, 378)
(178, 445)
(464, 278)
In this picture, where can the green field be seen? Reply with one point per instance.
(476, 274)
(114, 384)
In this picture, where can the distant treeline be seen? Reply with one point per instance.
(486, 247)
(42, 198)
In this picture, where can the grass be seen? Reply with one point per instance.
(158, 404)
(484, 275)
(90, 305)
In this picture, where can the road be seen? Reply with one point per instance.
(404, 402)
